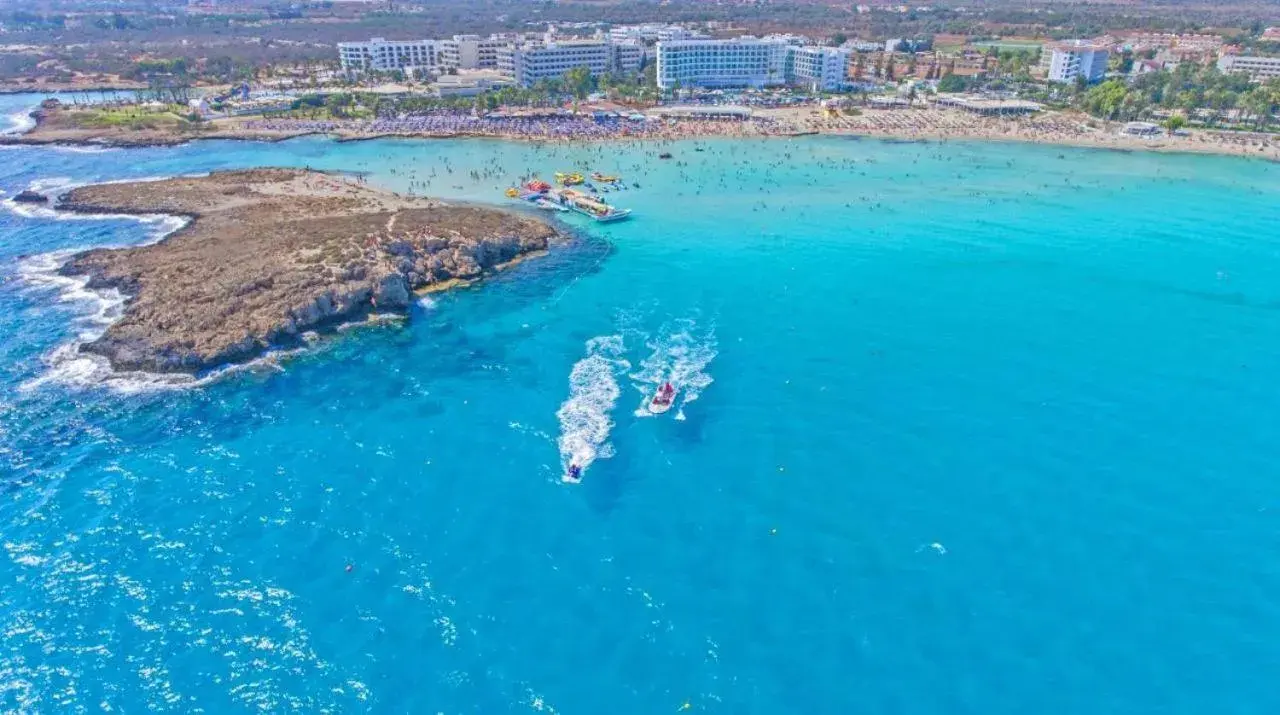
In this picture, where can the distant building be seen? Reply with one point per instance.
(650, 33)
(1259, 69)
(381, 55)
(863, 46)
(530, 62)
(817, 69)
(1067, 61)
(751, 62)
(469, 52)
(713, 64)
(523, 58)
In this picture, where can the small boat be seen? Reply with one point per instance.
(538, 186)
(573, 475)
(549, 205)
(569, 179)
(665, 155)
(603, 177)
(663, 399)
(614, 215)
(512, 192)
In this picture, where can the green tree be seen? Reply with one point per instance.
(952, 83)
(1258, 102)
(580, 82)
(1105, 99)
(1174, 123)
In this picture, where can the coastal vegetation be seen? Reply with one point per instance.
(1203, 95)
(135, 116)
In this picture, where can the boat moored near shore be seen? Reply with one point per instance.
(549, 198)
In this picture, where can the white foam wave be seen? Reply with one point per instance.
(585, 417)
(101, 307)
(52, 183)
(81, 148)
(98, 309)
(680, 355)
(161, 224)
(19, 122)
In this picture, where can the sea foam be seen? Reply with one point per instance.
(681, 354)
(585, 417)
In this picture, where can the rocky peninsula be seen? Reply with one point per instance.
(269, 254)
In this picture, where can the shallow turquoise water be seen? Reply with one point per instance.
(978, 428)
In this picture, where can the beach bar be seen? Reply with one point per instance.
(705, 112)
(988, 107)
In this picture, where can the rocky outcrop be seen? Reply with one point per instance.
(271, 254)
(31, 197)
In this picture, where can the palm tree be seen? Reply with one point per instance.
(1257, 102)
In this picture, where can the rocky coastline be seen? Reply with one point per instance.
(271, 254)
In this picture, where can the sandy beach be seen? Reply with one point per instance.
(1065, 128)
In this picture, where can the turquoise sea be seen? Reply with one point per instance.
(964, 428)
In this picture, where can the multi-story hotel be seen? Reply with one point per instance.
(470, 52)
(1259, 69)
(530, 62)
(749, 62)
(1065, 61)
(381, 55)
(525, 59)
(464, 52)
(817, 69)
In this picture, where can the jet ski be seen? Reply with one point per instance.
(663, 399)
(573, 475)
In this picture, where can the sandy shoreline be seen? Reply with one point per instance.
(1069, 129)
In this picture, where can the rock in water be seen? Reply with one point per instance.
(31, 197)
(271, 254)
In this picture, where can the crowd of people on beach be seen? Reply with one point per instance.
(902, 123)
(1043, 128)
(568, 127)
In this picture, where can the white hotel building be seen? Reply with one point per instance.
(1259, 69)
(464, 52)
(1065, 61)
(530, 62)
(749, 62)
(525, 59)
(653, 32)
(381, 55)
(818, 69)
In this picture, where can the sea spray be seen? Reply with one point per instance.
(20, 122)
(585, 417)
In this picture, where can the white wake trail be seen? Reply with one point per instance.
(586, 416)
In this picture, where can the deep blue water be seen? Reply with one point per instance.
(978, 428)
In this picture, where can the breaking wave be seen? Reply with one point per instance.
(96, 310)
(20, 122)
